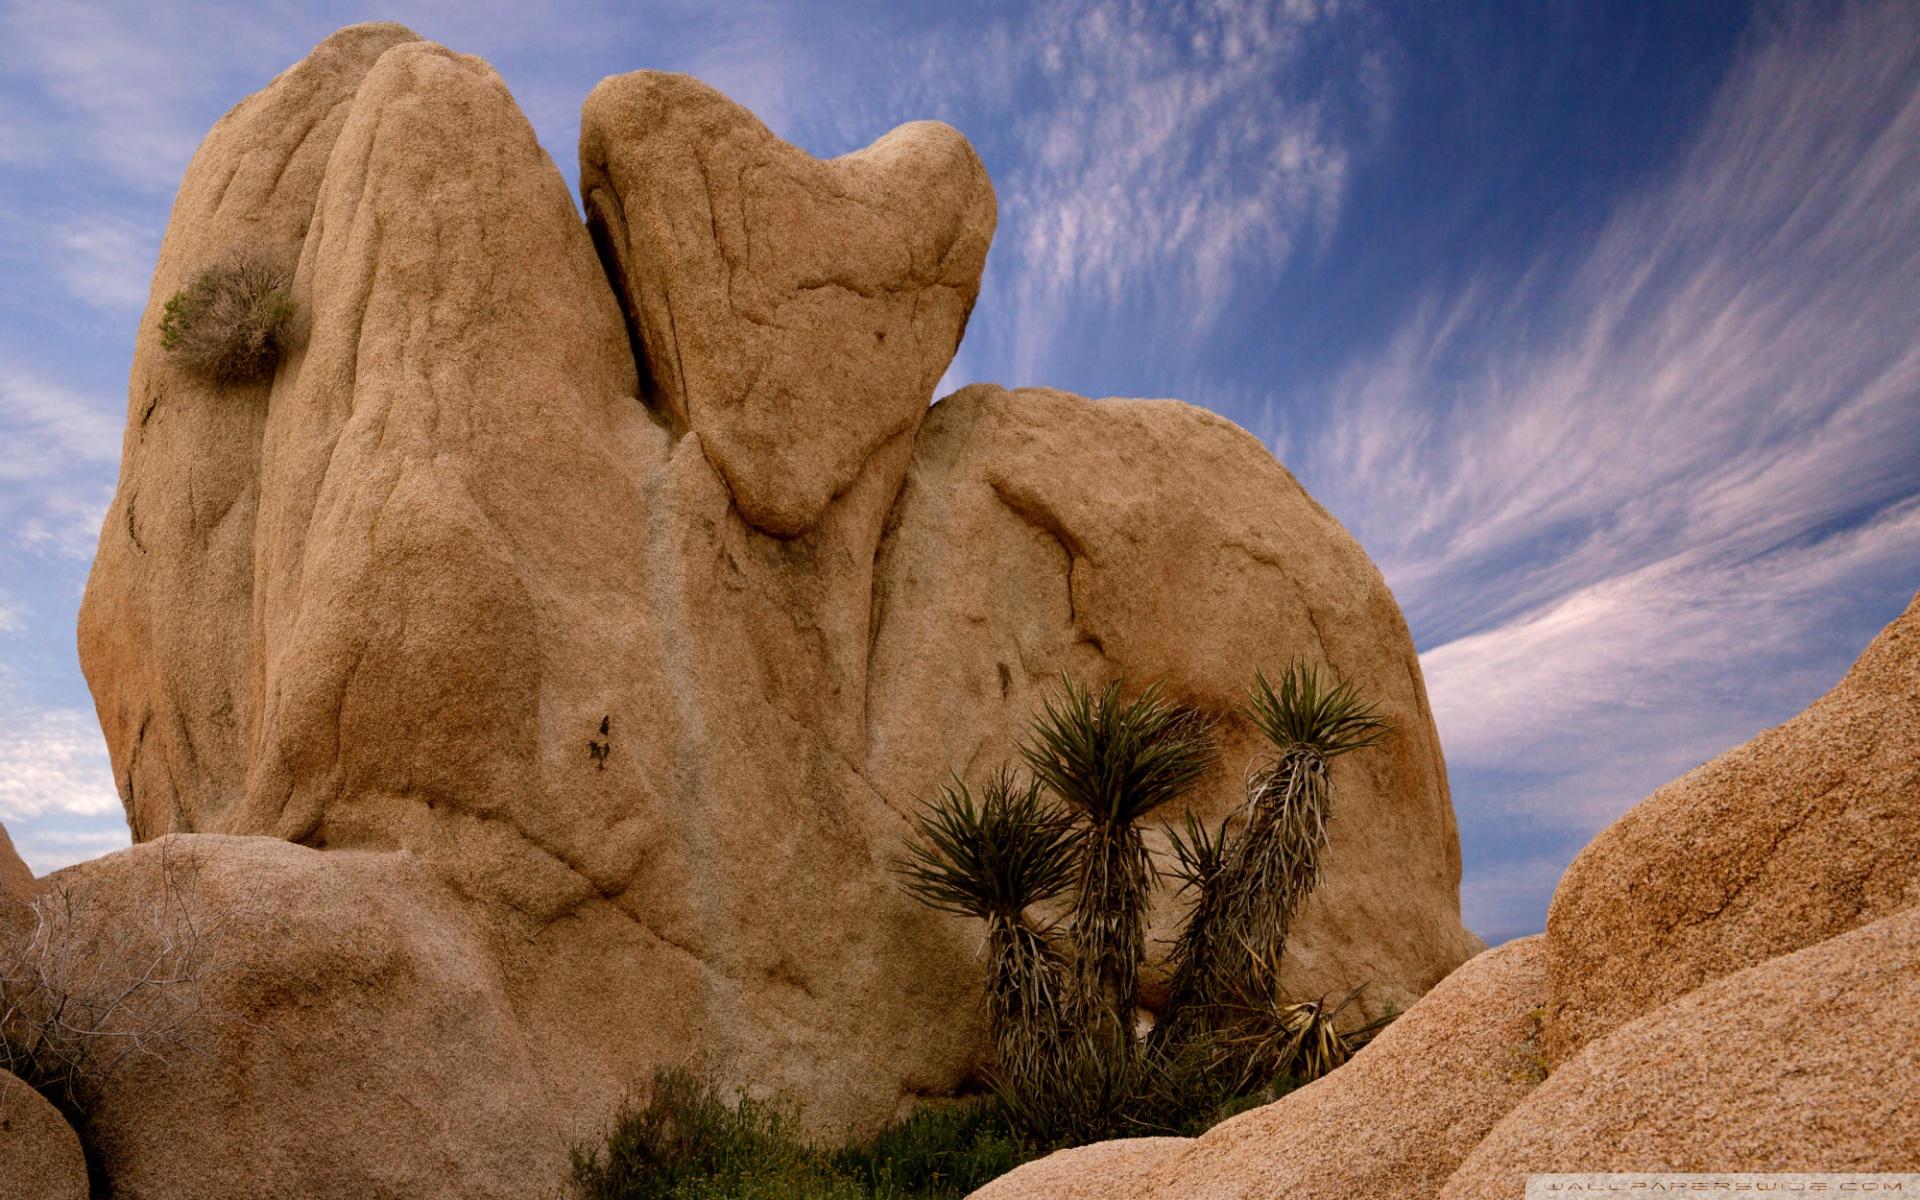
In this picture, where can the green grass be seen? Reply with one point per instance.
(688, 1141)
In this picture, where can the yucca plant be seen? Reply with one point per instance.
(1199, 855)
(994, 859)
(1112, 764)
(1276, 861)
(1301, 1040)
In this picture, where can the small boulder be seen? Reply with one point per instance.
(17, 885)
(1397, 1119)
(40, 1158)
(329, 1026)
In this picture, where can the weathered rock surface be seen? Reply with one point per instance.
(1803, 1063)
(17, 885)
(1804, 832)
(1102, 1171)
(796, 314)
(620, 681)
(346, 1029)
(1395, 1121)
(169, 606)
(40, 1157)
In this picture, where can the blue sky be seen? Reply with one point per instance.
(1597, 324)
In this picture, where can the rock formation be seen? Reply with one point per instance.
(353, 1037)
(1730, 978)
(40, 1157)
(1805, 1062)
(1807, 831)
(576, 630)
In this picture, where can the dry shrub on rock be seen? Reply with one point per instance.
(232, 322)
(83, 993)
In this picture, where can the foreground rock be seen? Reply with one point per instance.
(40, 1157)
(338, 1028)
(616, 679)
(1803, 1063)
(1802, 833)
(1098, 1172)
(1395, 1121)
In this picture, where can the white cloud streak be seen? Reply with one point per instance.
(54, 761)
(57, 450)
(105, 262)
(1635, 497)
(1159, 153)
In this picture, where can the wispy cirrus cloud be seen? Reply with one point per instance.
(57, 449)
(105, 261)
(53, 761)
(1150, 159)
(1650, 495)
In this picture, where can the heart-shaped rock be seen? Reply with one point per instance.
(795, 313)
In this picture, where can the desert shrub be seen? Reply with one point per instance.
(1149, 1089)
(1275, 862)
(688, 1141)
(232, 322)
(89, 986)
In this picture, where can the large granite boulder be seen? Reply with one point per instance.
(1806, 831)
(604, 615)
(1040, 533)
(170, 601)
(796, 314)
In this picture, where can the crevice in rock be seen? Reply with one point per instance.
(606, 225)
(1030, 511)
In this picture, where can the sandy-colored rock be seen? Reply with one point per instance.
(40, 1157)
(1039, 532)
(1803, 1063)
(17, 885)
(794, 313)
(1802, 833)
(169, 604)
(512, 629)
(1102, 1171)
(344, 1031)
